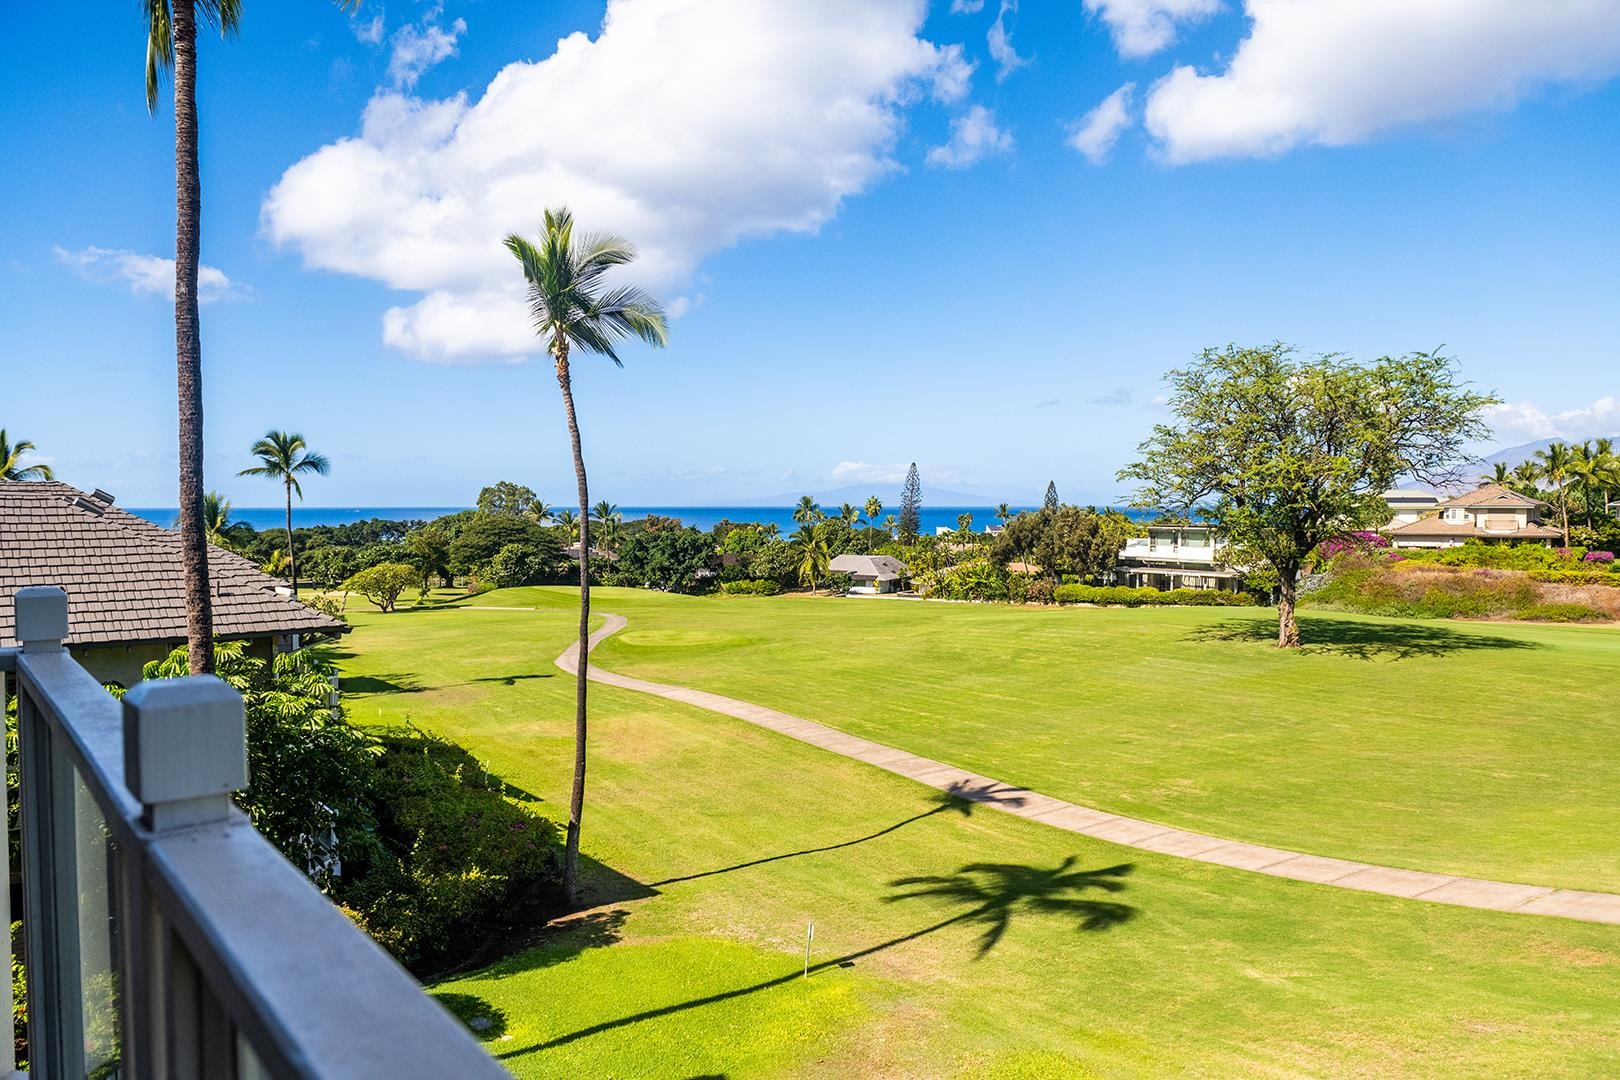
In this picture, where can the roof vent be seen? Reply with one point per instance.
(103, 497)
(88, 504)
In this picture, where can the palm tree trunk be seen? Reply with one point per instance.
(188, 342)
(576, 799)
(292, 559)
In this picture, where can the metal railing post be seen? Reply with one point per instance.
(50, 886)
(185, 752)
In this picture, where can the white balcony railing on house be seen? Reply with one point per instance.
(163, 936)
(1149, 548)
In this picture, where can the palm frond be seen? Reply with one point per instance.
(159, 47)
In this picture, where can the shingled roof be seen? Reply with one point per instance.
(1490, 496)
(123, 575)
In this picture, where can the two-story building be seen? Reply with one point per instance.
(1175, 557)
(1492, 513)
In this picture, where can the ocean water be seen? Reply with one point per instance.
(698, 517)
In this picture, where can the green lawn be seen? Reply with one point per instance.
(1480, 749)
(1030, 953)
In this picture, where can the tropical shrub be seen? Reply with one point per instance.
(1552, 612)
(1606, 557)
(467, 865)
(673, 559)
(1417, 589)
(383, 583)
(485, 535)
(975, 579)
(751, 587)
(1124, 595)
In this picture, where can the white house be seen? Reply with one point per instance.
(1176, 557)
(1491, 513)
(871, 573)
(1407, 505)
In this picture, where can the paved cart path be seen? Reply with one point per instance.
(1131, 832)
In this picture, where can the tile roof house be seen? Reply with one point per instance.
(126, 583)
(871, 573)
(1492, 513)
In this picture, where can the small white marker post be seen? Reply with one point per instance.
(809, 936)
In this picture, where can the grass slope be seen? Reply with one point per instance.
(713, 843)
(1477, 749)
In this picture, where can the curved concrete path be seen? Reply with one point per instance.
(1131, 832)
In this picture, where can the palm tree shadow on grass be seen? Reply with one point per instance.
(1363, 640)
(991, 895)
(958, 798)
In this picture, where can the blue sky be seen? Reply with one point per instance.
(888, 229)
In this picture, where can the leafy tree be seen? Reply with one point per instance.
(330, 567)
(487, 534)
(382, 584)
(515, 500)
(11, 466)
(517, 564)
(811, 554)
(1555, 464)
(1282, 454)
(572, 308)
(807, 512)
(428, 549)
(1065, 541)
(910, 506)
(285, 456)
(1051, 500)
(671, 560)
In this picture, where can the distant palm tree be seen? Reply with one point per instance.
(849, 515)
(284, 456)
(811, 551)
(1526, 475)
(890, 523)
(807, 512)
(570, 523)
(964, 523)
(277, 564)
(541, 511)
(216, 517)
(1003, 513)
(572, 309)
(1555, 462)
(608, 517)
(874, 507)
(1498, 475)
(11, 466)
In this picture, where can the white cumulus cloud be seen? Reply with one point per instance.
(974, 136)
(367, 31)
(1143, 27)
(1339, 73)
(684, 125)
(1097, 131)
(417, 48)
(1524, 421)
(966, 7)
(152, 274)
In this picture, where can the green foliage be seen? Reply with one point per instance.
(19, 999)
(468, 864)
(517, 564)
(486, 534)
(1282, 454)
(1565, 612)
(1065, 541)
(329, 567)
(1411, 589)
(910, 506)
(1123, 595)
(974, 579)
(382, 584)
(308, 769)
(751, 587)
(507, 499)
(1499, 556)
(668, 559)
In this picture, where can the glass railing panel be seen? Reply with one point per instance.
(98, 987)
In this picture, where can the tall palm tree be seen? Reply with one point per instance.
(849, 515)
(572, 308)
(874, 507)
(1586, 471)
(812, 553)
(171, 44)
(1526, 474)
(285, 456)
(216, 517)
(1554, 463)
(570, 523)
(1498, 475)
(11, 466)
(807, 512)
(1003, 513)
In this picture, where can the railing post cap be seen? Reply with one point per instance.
(42, 615)
(184, 739)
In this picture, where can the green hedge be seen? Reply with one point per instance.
(751, 587)
(1578, 577)
(1560, 613)
(1129, 597)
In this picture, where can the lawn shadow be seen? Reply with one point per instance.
(1362, 640)
(506, 680)
(990, 895)
(958, 798)
(391, 683)
(559, 939)
(487, 1022)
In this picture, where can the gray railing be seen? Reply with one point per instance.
(164, 937)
